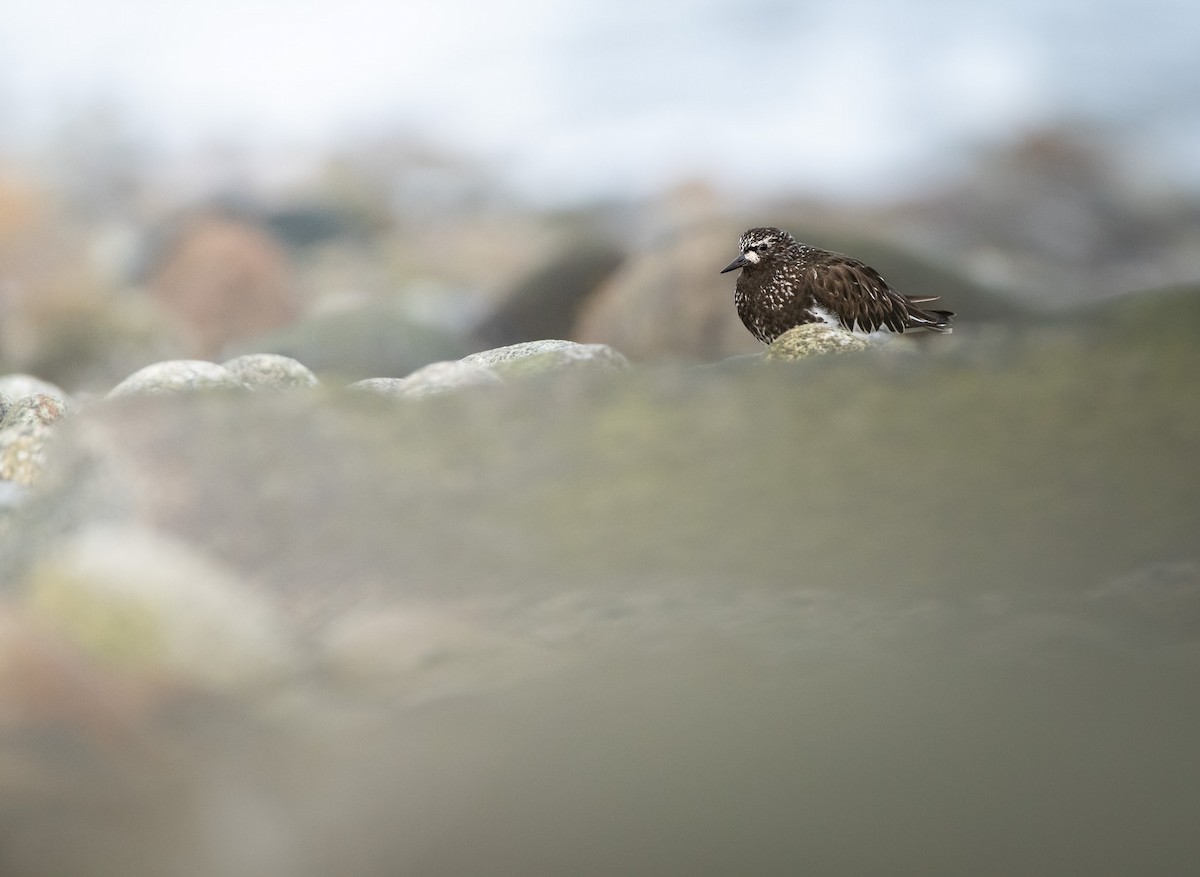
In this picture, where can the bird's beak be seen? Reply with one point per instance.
(740, 262)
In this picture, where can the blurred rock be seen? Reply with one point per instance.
(12, 495)
(22, 453)
(366, 342)
(177, 376)
(17, 386)
(223, 280)
(422, 653)
(814, 339)
(546, 304)
(269, 371)
(1061, 221)
(434, 379)
(145, 602)
(1169, 316)
(715, 604)
(669, 300)
(535, 357)
(89, 344)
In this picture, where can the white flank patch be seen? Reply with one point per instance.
(825, 316)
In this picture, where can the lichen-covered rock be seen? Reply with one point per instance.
(435, 379)
(24, 431)
(536, 357)
(36, 408)
(270, 371)
(134, 598)
(177, 376)
(814, 339)
(16, 386)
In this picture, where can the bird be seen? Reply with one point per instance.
(785, 284)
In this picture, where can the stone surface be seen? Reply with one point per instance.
(24, 433)
(146, 602)
(535, 357)
(814, 339)
(716, 604)
(546, 303)
(426, 653)
(362, 342)
(269, 371)
(16, 386)
(668, 299)
(176, 376)
(434, 379)
(35, 408)
(223, 279)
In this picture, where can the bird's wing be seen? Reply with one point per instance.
(861, 296)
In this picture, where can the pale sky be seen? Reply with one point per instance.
(594, 94)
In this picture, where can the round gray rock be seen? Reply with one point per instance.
(435, 379)
(270, 371)
(535, 357)
(177, 376)
(17, 386)
(37, 408)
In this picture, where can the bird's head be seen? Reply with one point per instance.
(759, 245)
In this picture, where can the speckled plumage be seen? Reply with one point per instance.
(785, 283)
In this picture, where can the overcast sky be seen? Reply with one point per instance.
(591, 96)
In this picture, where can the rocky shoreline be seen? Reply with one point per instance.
(448, 617)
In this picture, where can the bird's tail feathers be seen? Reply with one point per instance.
(935, 321)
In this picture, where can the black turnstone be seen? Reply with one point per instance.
(785, 284)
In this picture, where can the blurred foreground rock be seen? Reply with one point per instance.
(865, 615)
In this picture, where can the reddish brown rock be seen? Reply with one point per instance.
(224, 279)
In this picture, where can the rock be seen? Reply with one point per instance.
(24, 432)
(424, 652)
(22, 454)
(670, 300)
(546, 303)
(814, 339)
(45, 682)
(16, 386)
(365, 342)
(12, 495)
(177, 376)
(434, 379)
(138, 599)
(224, 279)
(36, 408)
(535, 357)
(269, 371)
(762, 597)
(91, 344)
